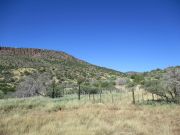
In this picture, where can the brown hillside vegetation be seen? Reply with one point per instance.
(79, 98)
(17, 65)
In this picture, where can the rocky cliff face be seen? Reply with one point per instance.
(19, 51)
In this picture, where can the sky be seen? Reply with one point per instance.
(125, 35)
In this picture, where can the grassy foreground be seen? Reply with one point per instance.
(68, 116)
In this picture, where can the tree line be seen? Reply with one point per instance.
(166, 86)
(46, 84)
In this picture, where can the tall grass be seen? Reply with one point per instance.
(69, 116)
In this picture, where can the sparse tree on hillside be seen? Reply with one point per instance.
(53, 88)
(172, 83)
(1, 94)
(80, 80)
(94, 90)
(166, 87)
(121, 81)
(90, 89)
(132, 85)
(33, 85)
(99, 87)
(135, 80)
(157, 87)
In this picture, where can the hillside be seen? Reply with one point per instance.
(102, 109)
(17, 64)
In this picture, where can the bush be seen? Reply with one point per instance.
(58, 91)
(1, 95)
(90, 89)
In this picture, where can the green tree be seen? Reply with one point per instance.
(133, 82)
(55, 91)
(172, 83)
(80, 80)
(156, 87)
(132, 85)
(1, 94)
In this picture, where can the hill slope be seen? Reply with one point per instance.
(18, 63)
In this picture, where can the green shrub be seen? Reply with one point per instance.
(1, 94)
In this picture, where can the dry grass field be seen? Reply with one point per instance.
(68, 116)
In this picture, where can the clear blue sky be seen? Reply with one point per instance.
(125, 35)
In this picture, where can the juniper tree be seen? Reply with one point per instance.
(172, 83)
(132, 85)
(80, 80)
(133, 82)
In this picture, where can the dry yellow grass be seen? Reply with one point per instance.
(43, 116)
